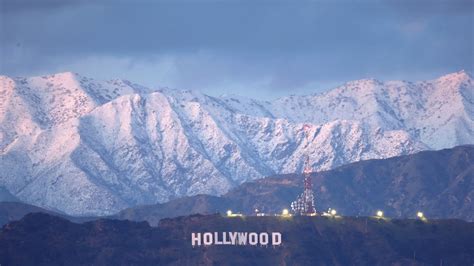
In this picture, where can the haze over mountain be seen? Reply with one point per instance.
(13, 211)
(87, 147)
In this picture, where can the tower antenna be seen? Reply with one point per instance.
(304, 203)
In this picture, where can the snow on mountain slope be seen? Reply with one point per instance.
(87, 147)
(38, 103)
(439, 112)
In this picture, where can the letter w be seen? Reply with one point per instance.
(242, 238)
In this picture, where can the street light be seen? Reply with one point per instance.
(420, 215)
(229, 213)
(379, 213)
(333, 212)
(285, 212)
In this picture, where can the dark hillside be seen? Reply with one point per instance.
(41, 239)
(439, 183)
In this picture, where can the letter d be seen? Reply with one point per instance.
(276, 239)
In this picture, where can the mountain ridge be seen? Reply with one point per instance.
(438, 183)
(92, 148)
(445, 194)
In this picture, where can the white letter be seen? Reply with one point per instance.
(242, 238)
(233, 237)
(263, 239)
(253, 239)
(196, 239)
(224, 238)
(276, 239)
(207, 239)
(216, 239)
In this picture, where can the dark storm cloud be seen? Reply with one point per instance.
(271, 45)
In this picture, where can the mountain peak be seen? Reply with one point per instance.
(362, 84)
(63, 75)
(460, 76)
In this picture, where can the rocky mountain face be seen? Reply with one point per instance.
(438, 183)
(305, 241)
(87, 147)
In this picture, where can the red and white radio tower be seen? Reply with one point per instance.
(304, 204)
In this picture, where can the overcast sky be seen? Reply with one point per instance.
(256, 48)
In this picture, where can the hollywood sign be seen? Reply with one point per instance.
(236, 238)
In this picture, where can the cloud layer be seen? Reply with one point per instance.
(256, 48)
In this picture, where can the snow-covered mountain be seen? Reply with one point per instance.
(88, 147)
